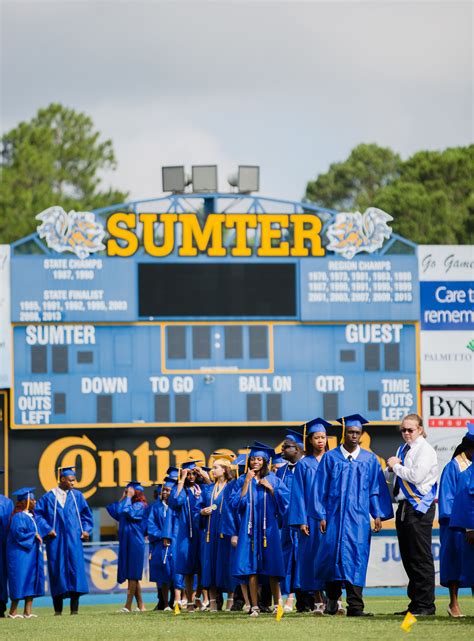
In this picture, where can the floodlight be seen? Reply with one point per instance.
(173, 179)
(248, 178)
(204, 178)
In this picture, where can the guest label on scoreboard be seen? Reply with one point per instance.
(365, 288)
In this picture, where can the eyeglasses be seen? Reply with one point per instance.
(287, 446)
(404, 429)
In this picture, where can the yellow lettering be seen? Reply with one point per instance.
(306, 227)
(241, 222)
(195, 238)
(107, 468)
(168, 221)
(162, 457)
(271, 232)
(143, 455)
(103, 569)
(51, 459)
(122, 233)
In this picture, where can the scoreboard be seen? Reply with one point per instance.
(136, 342)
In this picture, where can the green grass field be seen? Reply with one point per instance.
(101, 623)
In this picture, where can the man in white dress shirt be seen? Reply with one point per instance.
(415, 469)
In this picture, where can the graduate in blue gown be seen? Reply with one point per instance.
(349, 488)
(186, 500)
(161, 555)
(6, 508)
(262, 500)
(462, 518)
(454, 547)
(25, 554)
(309, 535)
(131, 512)
(292, 453)
(215, 545)
(65, 511)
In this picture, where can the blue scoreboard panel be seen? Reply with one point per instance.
(121, 342)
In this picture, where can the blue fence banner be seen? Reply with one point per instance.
(447, 305)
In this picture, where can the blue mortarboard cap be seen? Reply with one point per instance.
(157, 487)
(240, 460)
(263, 450)
(66, 471)
(206, 469)
(172, 473)
(278, 459)
(470, 431)
(189, 465)
(24, 493)
(169, 483)
(353, 420)
(316, 425)
(136, 486)
(293, 435)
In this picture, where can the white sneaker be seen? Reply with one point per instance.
(254, 611)
(246, 608)
(123, 610)
(319, 609)
(15, 616)
(168, 609)
(30, 616)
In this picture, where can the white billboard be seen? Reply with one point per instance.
(5, 327)
(445, 416)
(446, 275)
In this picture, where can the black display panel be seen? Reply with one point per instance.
(221, 289)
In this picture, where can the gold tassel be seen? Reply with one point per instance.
(343, 429)
(304, 435)
(208, 537)
(247, 461)
(221, 535)
(264, 541)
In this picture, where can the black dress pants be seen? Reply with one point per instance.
(355, 602)
(58, 602)
(414, 531)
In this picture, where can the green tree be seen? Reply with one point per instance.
(430, 195)
(54, 159)
(353, 183)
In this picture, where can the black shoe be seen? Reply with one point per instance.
(358, 613)
(331, 607)
(402, 613)
(74, 612)
(424, 613)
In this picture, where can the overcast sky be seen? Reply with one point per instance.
(291, 86)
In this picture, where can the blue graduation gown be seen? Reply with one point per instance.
(453, 540)
(187, 507)
(346, 494)
(216, 549)
(462, 517)
(289, 537)
(66, 568)
(25, 558)
(301, 495)
(161, 557)
(251, 555)
(132, 520)
(6, 508)
(229, 526)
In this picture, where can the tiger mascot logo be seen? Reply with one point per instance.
(353, 232)
(76, 232)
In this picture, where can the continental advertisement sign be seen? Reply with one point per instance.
(107, 459)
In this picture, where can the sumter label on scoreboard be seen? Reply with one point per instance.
(209, 236)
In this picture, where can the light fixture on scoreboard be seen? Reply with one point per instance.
(174, 179)
(246, 180)
(204, 178)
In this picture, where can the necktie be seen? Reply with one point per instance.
(350, 458)
(396, 485)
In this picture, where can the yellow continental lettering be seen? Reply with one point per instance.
(162, 457)
(270, 233)
(168, 221)
(306, 227)
(51, 459)
(103, 570)
(241, 222)
(195, 238)
(122, 233)
(107, 468)
(143, 455)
